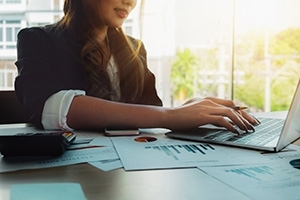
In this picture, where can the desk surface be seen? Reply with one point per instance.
(118, 184)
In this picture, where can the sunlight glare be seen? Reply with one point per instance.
(259, 13)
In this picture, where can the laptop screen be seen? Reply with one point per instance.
(291, 129)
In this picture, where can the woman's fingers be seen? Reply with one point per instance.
(239, 117)
(248, 125)
(253, 120)
(219, 112)
(236, 118)
(223, 102)
(221, 122)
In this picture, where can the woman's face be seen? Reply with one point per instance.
(113, 13)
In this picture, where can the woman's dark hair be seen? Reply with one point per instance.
(95, 56)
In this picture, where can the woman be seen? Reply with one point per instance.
(84, 73)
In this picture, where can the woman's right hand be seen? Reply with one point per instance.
(197, 112)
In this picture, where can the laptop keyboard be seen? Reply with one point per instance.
(268, 130)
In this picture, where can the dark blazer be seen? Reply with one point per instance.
(47, 64)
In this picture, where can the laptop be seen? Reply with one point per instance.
(271, 135)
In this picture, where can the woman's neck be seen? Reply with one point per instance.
(101, 34)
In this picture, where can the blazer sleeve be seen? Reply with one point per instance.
(37, 79)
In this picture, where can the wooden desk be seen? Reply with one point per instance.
(120, 185)
(171, 184)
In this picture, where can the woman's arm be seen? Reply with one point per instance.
(92, 113)
(88, 112)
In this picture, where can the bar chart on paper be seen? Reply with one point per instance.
(181, 150)
(274, 180)
(157, 152)
(256, 172)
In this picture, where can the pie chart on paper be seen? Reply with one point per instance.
(145, 139)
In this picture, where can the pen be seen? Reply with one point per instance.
(239, 107)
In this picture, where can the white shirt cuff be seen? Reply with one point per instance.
(56, 108)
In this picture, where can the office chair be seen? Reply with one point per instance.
(11, 110)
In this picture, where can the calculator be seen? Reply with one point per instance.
(36, 144)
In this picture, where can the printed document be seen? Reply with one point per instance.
(273, 180)
(156, 151)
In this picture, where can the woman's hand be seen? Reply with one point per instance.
(197, 112)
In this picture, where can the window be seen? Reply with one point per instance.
(56, 4)
(1, 33)
(128, 27)
(8, 33)
(266, 50)
(247, 50)
(10, 1)
(7, 75)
